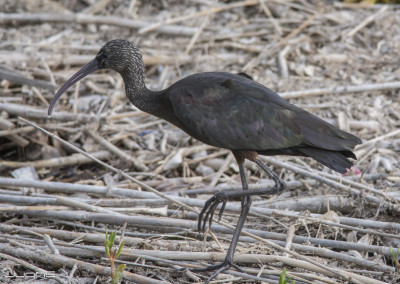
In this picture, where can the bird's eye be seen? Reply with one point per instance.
(101, 54)
(101, 57)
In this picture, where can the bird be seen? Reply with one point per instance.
(230, 111)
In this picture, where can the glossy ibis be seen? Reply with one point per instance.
(230, 111)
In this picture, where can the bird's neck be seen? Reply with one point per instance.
(143, 98)
(152, 102)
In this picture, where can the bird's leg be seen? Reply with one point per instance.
(222, 197)
(211, 205)
(228, 262)
(279, 183)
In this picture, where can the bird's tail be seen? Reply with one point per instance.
(335, 160)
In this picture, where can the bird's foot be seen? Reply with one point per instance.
(279, 186)
(227, 264)
(209, 210)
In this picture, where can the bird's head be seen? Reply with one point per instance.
(118, 55)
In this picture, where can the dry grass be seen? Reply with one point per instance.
(339, 61)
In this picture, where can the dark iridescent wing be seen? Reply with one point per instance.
(224, 113)
(234, 112)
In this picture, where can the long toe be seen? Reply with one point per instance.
(282, 185)
(201, 225)
(279, 186)
(227, 264)
(209, 209)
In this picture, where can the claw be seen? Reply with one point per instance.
(279, 185)
(209, 209)
(221, 210)
(201, 218)
(282, 185)
(227, 264)
(210, 214)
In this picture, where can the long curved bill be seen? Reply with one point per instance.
(92, 66)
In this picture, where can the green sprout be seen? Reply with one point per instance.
(285, 280)
(113, 255)
(395, 257)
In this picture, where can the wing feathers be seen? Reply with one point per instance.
(233, 112)
(334, 160)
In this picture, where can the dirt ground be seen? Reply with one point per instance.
(147, 180)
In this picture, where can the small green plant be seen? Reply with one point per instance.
(113, 255)
(395, 257)
(285, 280)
